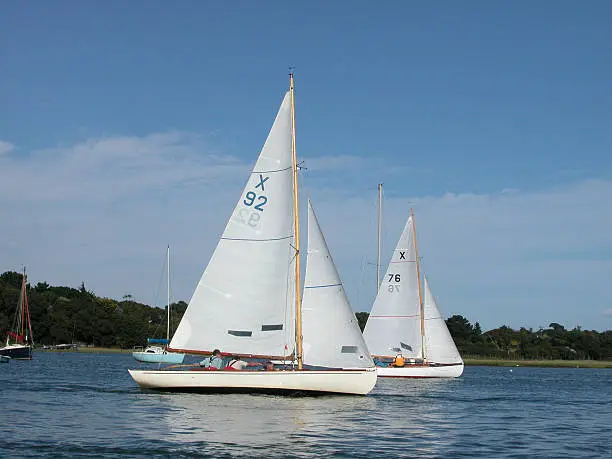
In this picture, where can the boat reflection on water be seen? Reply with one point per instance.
(396, 412)
(257, 420)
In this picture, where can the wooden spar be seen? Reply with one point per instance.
(23, 287)
(296, 229)
(416, 255)
(287, 358)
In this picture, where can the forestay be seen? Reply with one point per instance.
(394, 322)
(331, 333)
(438, 341)
(244, 302)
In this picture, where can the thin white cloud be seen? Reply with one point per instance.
(108, 168)
(103, 210)
(607, 312)
(517, 258)
(6, 147)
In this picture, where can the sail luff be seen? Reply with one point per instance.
(418, 270)
(380, 185)
(298, 297)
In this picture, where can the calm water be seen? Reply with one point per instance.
(71, 405)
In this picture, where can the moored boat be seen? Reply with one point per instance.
(20, 341)
(160, 354)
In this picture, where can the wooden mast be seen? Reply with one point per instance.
(379, 235)
(23, 300)
(296, 229)
(421, 312)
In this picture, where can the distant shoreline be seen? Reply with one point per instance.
(539, 363)
(90, 350)
(468, 361)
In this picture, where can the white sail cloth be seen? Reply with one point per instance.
(244, 302)
(331, 333)
(394, 324)
(438, 340)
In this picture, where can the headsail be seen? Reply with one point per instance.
(331, 333)
(440, 345)
(394, 324)
(244, 302)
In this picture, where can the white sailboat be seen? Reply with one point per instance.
(160, 354)
(246, 303)
(402, 323)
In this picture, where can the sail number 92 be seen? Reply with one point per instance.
(250, 199)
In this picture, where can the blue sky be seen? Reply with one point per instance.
(125, 126)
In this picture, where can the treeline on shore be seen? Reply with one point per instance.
(68, 315)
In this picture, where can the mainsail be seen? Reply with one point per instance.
(331, 333)
(22, 324)
(244, 302)
(394, 324)
(440, 345)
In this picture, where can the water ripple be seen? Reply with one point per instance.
(74, 405)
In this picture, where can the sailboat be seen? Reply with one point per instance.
(248, 302)
(403, 322)
(160, 354)
(20, 341)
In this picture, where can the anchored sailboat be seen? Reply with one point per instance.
(160, 354)
(20, 341)
(402, 322)
(248, 301)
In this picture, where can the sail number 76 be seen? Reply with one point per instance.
(394, 278)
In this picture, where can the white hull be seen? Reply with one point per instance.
(421, 371)
(357, 382)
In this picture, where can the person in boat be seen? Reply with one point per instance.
(237, 364)
(214, 361)
(398, 361)
(268, 366)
